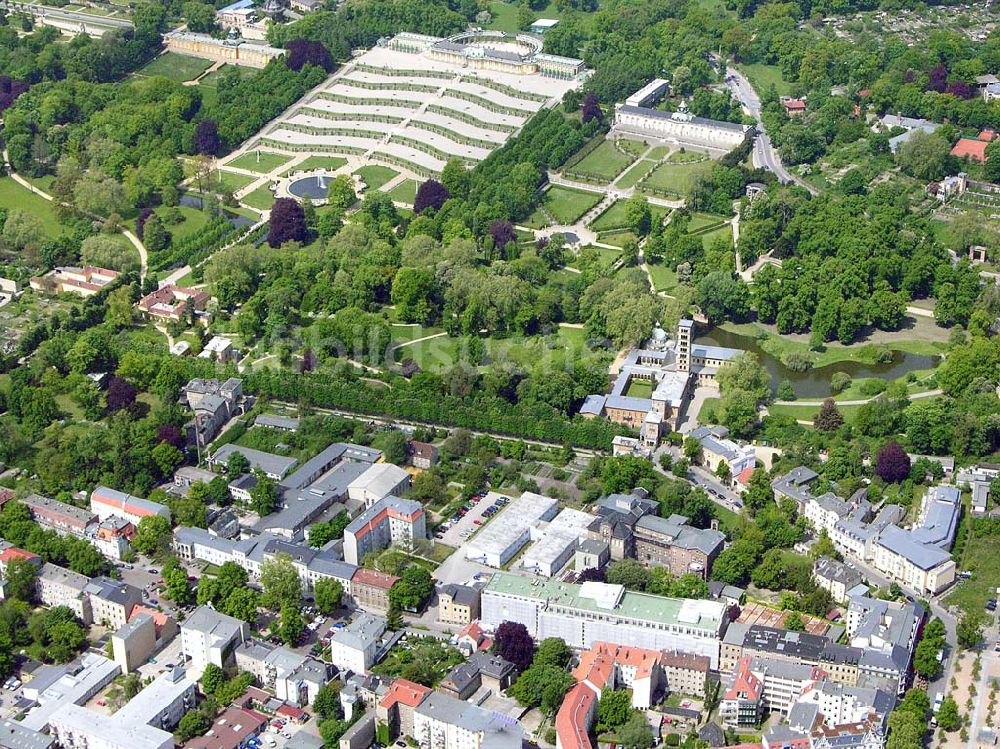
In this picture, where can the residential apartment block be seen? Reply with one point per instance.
(112, 601)
(389, 521)
(210, 637)
(443, 722)
(353, 648)
(294, 678)
(106, 503)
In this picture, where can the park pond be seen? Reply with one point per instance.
(815, 383)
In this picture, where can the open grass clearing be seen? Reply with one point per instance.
(403, 333)
(222, 180)
(676, 178)
(192, 221)
(261, 162)
(405, 191)
(262, 198)
(762, 77)
(617, 238)
(709, 238)
(782, 346)
(568, 205)
(701, 220)
(639, 388)
(979, 556)
(375, 175)
(637, 172)
(685, 157)
(330, 163)
(176, 67)
(615, 216)
(664, 278)
(604, 161)
(12, 195)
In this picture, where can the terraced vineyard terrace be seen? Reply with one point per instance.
(412, 110)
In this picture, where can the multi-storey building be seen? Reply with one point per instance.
(370, 589)
(443, 722)
(458, 604)
(210, 637)
(672, 543)
(685, 673)
(592, 612)
(59, 516)
(112, 601)
(391, 520)
(106, 503)
(353, 648)
(842, 663)
(57, 586)
(294, 678)
(742, 703)
(144, 722)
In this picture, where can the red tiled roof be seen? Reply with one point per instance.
(794, 104)
(679, 659)
(975, 150)
(745, 474)
(376, 579)
(987, 134)
(573, 718)
(291, 711)
(6, 494)
(405, 692)
(745, 685)
(230, 730)
(598, 664)
(12, 553)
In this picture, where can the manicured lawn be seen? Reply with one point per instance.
(405, 191)
(607, 256)
(676, 178)
(193, 220)
(701, 220)
(808, 413)
(262, 198)
(374, 176)
(176, 67)
(639, 388)
(330, 163)
(504, 17)
(614, 217)
(637, 172)
(664, 278)
(658, 153)
(567, 205)
(685, 157)
(605, 161)
(762, 77)
(261, 162)
(223, 180)
(437, 353)
(403, 333)
(43, 183)
(709, 238)
(12, 195)
(536, 220)
(617, 238)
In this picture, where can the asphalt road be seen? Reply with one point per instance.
(764, 153)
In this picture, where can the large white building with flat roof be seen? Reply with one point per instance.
(509, 531)
(144, 722)
(598, 612)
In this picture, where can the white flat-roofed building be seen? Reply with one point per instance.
(593, 612)
(143, 723)
(353, 648)
(510, 530)
(443, 722)
(53, 687)
(380, 480)
(648, 94)
(105, 503)
(557, 542)
(210, 637)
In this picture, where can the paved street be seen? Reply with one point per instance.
(764, 153)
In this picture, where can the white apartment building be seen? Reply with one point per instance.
(143, 723)
(210, 637)
(353, 648)
(61, 587)
(443, 722)
(293, 678)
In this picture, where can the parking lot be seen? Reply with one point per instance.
(461, 531)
